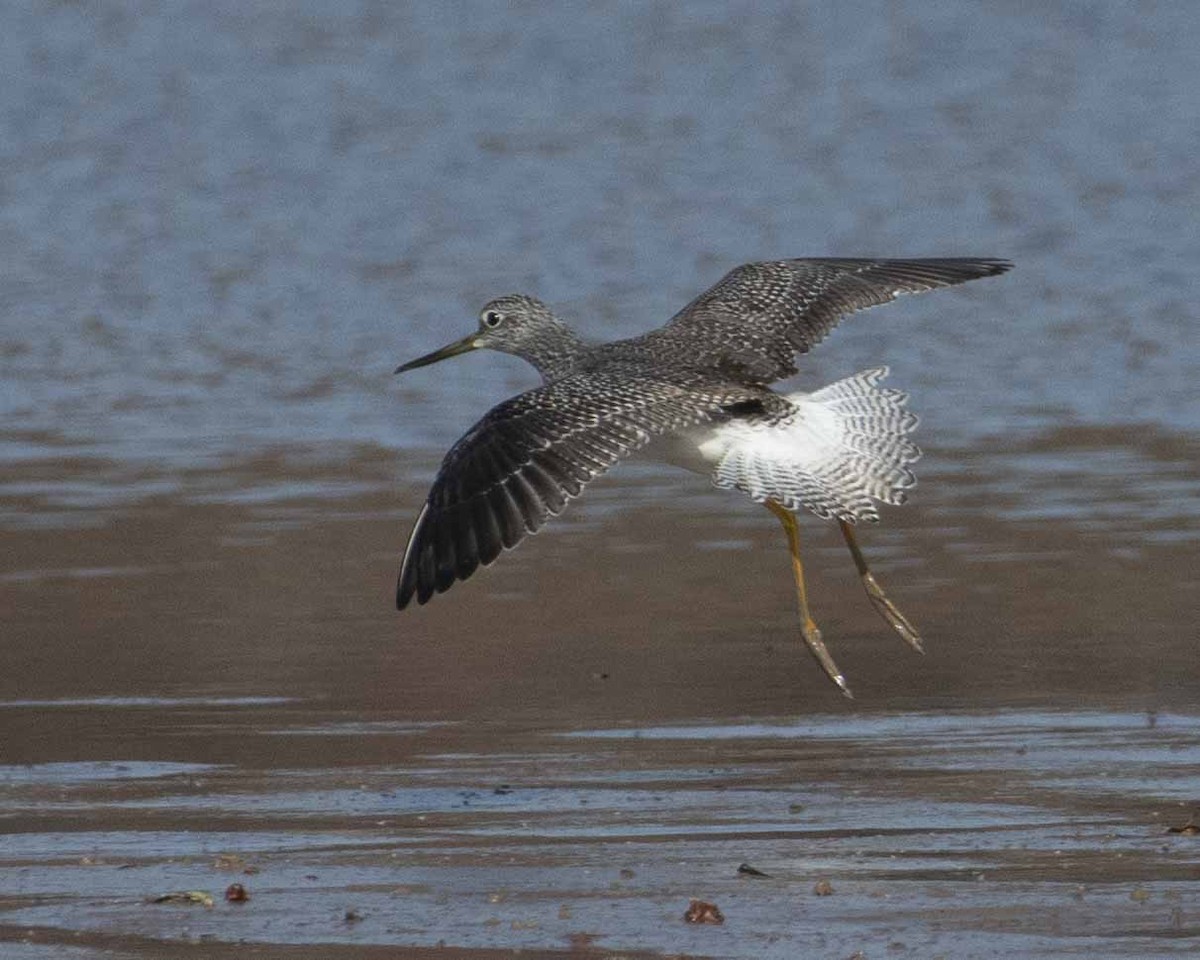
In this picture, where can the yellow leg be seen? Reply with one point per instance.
(879, 599)
(808, 627)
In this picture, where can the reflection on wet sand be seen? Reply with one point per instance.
(1035, 832)
(546, 759)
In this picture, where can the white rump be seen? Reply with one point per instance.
(845, 448)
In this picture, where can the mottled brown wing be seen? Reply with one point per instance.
(526, 458)
(760, 315)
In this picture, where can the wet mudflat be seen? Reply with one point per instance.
(963, 835)
(565, 751)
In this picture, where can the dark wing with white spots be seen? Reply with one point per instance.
(527, 457)
(759, 316)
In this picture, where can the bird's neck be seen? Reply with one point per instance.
(555, 351)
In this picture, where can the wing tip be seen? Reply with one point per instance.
(950, 271)
(407, 588)
(406, 584)
(412, 585)
(994, 266)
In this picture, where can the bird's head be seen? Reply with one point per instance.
(516, 324)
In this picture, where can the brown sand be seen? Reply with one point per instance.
(433, 771)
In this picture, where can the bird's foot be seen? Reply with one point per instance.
(816, 646)
(888, 611)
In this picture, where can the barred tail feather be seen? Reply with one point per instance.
(844, 448)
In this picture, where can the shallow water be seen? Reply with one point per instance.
(961, 834)
(225, 224)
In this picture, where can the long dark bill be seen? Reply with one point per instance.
(464, 345)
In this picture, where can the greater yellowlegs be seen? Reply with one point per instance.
(697, 390)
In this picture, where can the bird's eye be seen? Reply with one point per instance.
(492, 319)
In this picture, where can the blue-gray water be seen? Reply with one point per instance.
(224, 224)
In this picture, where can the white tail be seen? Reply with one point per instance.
(845, 447)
